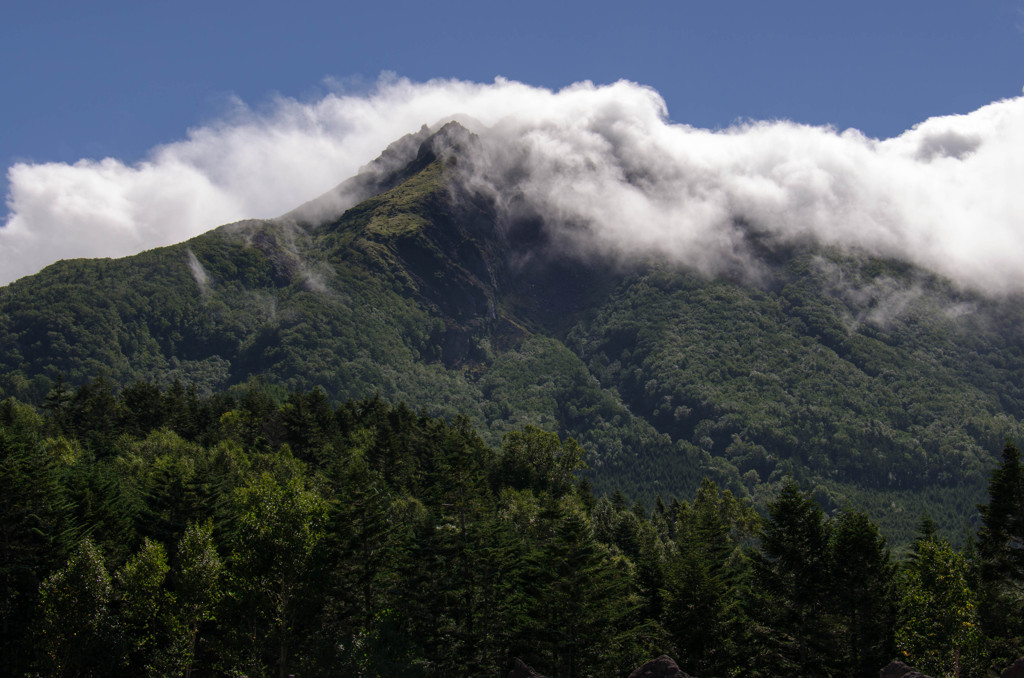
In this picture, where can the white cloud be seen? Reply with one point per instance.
(606, 160)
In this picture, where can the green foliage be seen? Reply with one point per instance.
(191, 444)
(197, 585)
(144, 609)
(535, 460)
(584, 602)
(402, 544)
(937, 630)
(277, 530)
(35, 522)
(871, 379)
(75, 635)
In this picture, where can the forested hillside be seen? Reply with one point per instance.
(163, 533)
(874, 384)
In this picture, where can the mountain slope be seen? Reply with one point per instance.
(867, 379)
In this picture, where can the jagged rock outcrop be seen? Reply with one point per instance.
(662, 667)
(900, 670)
(1014, 670)
(521, 670)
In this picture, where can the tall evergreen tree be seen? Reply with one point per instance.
(1000, 553)
(35, 524)
(364, 552)
(864, 595)
(792, 573)
(704, 581)
(584, 603)
(464, 565)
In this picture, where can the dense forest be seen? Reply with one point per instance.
(159, 531)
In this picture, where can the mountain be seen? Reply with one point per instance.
(869, 380)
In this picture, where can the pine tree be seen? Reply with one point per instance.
(864, 595)
(462, 575)
(585, 605)
(792, 574)
(35, 524)
(704, 581)
(364, 551)
(142, 408)
(57, 402)
(93, 415)
(1000, 553)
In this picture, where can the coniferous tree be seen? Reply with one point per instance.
(364, 552)
(142, 408)
(584, 603)
(462, 565)
(793, 579)
(1000, 553)
(35, 524)
(864, 595)
(57, 402)
(93, 415)
(705, 581)
(308, 424)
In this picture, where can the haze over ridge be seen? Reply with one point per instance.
(605, 160)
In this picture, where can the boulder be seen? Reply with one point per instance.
(521, 670)
(662, 667)
(1014, 670)
(900, 670)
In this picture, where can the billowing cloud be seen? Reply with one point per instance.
(604, 164)
(623, 181)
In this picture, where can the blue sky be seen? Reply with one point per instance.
(116, 78)
(129, 125)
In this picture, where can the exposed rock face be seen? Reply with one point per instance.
(900, 670)
(521, 670)
(662, 667)
(1014, 670)
(895, 670)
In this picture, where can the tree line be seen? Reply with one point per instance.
(160, 532)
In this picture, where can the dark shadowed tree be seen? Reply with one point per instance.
(1000, 553)
(864, 594)
(792, 572)
(704, 581)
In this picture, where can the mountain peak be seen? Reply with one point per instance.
(401, 160)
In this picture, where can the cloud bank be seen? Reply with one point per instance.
(605, 164)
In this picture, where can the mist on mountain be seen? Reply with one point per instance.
(605, 166)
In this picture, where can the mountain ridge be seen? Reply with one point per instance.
(842, 370)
